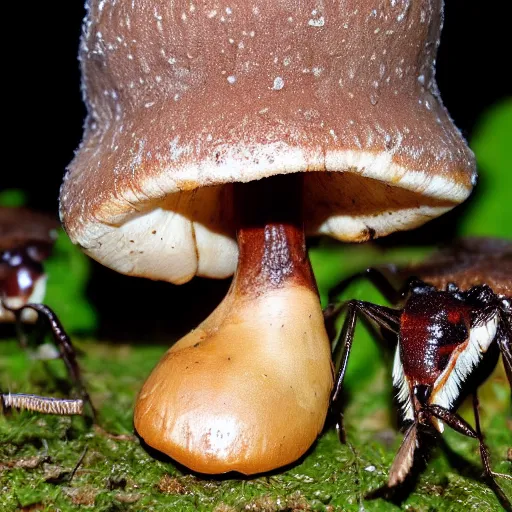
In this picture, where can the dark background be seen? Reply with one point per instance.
(44, 115)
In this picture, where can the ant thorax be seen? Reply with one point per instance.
(442, 339)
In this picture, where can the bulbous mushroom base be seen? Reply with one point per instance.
(246, 391)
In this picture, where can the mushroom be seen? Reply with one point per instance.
(217, 136)
(26, 240)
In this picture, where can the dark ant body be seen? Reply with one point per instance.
(454, 322)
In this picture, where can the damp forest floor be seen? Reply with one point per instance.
(39, 453)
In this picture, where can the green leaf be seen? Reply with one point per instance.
(490, 211)
(12, 197)
(68, 272)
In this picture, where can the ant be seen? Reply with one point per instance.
(452, 325)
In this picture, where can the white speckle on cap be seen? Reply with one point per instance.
(278, 83)
(317, 22)
(212, 14)
(231, 79)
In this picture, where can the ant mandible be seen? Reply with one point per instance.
(455, 320)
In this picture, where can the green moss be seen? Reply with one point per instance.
(39, 452)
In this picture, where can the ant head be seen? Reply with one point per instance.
(21, 268)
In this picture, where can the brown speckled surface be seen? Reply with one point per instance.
(183, 95)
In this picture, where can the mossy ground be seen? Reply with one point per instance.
(38, 453)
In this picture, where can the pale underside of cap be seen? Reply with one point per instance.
(184, 100)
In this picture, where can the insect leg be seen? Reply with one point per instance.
(486, 460)
(461, 426)
(65, 347)
(383, 316)
(504, 339)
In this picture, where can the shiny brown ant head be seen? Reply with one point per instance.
(21, 268)
(443, 337)
(22, 277)
(26, 240)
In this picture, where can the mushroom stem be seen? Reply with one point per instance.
(248, 390)
(271, 241)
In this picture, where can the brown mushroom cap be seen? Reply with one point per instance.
(184, 99)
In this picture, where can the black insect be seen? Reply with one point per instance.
(67, 354)
(453, 324)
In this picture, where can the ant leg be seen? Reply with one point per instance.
(484, 451)
(385, 317)
(505, 343)
(65, 347)
(45, 405)
(404, 459)
(345, 344)
(461, 426)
